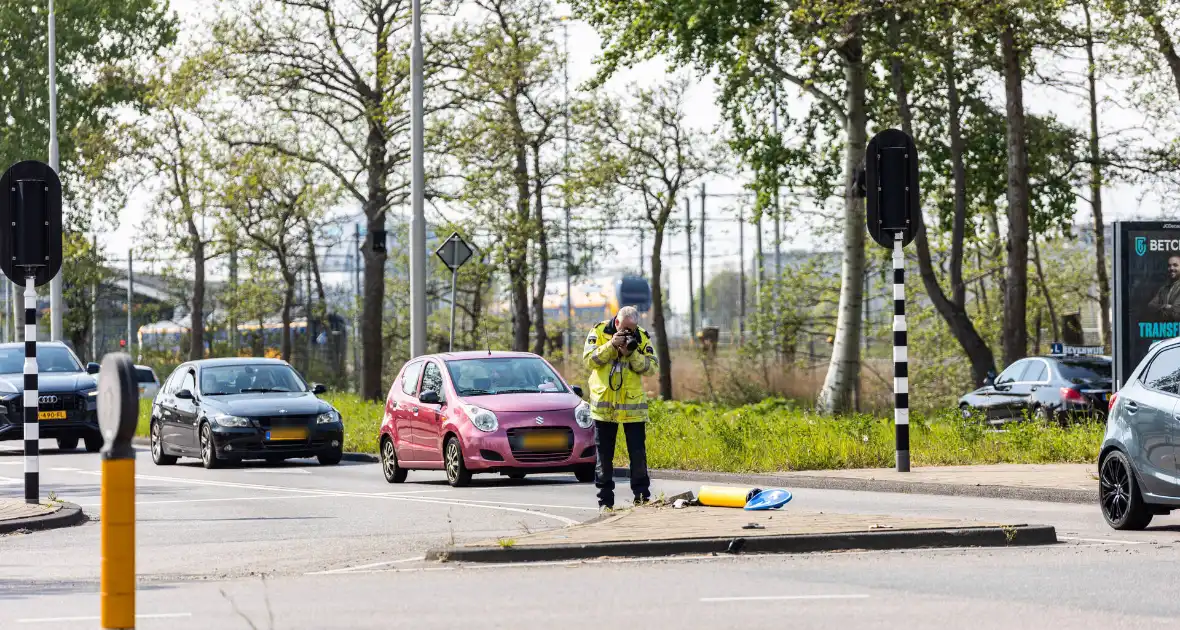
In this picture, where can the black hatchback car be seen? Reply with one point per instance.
(66, 405)
(1051, 388)
(223, 410)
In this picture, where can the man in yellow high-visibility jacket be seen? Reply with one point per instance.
(619, 353)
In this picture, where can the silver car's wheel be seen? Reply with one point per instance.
(208, 451)
(158, 456)
(457, 473)
(1118, 493)
(393, 472)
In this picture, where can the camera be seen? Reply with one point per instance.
(632, 339)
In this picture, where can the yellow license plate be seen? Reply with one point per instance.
(51, 415)
(296, 433)
(544, 441)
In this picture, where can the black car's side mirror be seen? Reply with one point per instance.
(578, 391)
(429, 397)
(92, 368)
(318, 388)
(185, 394)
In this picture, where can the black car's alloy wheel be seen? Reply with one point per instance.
(1122, 505)
(158, 455)
(457, 473)
(393, 472)
(208, 451)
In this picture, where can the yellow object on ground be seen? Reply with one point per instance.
(118, 543)
(726, 496)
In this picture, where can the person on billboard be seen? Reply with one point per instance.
(1166, 302)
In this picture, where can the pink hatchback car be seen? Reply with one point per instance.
(485, 412)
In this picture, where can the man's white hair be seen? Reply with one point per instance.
(628, 313)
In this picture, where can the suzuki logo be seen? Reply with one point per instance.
(47, 400)
(540, 420)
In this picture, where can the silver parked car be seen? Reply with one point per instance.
(1138, 472)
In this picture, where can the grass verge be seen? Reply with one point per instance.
(775, 435)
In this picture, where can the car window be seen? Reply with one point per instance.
(172, 382)
(50, 359)
(410, 378)
(1080, 372)
(1035, 373)
(432, 380)
(227, 380)
(144, 375)
(1164, 372)
(189, 382)
(1013, 372)
(504, 375)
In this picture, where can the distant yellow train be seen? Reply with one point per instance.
(594, 302)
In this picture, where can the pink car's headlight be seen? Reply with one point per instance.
(481, 418)
(582, 415)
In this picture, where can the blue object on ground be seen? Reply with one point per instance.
(769, 500)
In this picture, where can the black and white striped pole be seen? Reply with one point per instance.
(893, 219)
(32, 398)
(901, 359)
(30, 254)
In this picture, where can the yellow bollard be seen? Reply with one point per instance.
(118, 543)
(726, 496)
(118, 413)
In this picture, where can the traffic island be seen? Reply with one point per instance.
(16, 515)
(695, 530)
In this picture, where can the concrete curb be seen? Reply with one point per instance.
(884, 485)
(1017, 535)
(348, 457)
(69, 515)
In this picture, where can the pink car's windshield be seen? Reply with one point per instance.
(513, 375)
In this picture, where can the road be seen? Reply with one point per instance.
(336, 547)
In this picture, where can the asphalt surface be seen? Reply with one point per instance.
(303, 546)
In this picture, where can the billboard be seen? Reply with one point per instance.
(1146, 290)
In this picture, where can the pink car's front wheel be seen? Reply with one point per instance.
(457, 474)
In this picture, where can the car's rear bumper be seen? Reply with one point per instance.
(251, 444)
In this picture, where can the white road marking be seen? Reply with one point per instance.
(772, 598)
(538, 505)
(435, 501)
(365, 566)
(1110, 541)
(11, 463)
(64, 469)
(293, 471)
(97, 618)
(9, 480)
(173, 501)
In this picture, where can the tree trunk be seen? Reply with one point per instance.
(953, 310)
(518, 240)
(1044, 287)
(372, 340)
(1096, 188)
(658, 320)
(285, 342)
(196, 349)
(959, 171)
(315, 265)
(1015, 333)
(844, 368)
(1159, 32)
(542, 285)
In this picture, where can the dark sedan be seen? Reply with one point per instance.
(66, 409)
(243, 409)
(1051, 388)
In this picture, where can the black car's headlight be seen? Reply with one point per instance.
(232, 422)
(330, 417)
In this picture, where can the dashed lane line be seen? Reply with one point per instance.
(411, 499)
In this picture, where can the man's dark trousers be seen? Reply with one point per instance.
(605, 435)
